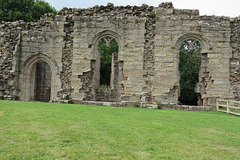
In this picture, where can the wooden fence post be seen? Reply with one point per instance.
(217, 105)
(227, 107)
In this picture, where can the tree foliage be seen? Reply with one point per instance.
(26, 10)
(189, 66)
(106, 60)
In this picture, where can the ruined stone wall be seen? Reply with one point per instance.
(128, 26)
(67, 58)
(149, 39)
(172, 27)
(22, 43)
(235, 59)
(9, 37)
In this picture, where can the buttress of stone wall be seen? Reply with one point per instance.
(149, 55)
(67, 56)
(149, 51)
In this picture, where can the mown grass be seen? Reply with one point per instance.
(31, 130)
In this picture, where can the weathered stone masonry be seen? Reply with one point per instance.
(145, 67)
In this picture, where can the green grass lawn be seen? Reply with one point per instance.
(31, 130)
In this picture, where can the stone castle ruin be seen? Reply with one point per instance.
(58, 59)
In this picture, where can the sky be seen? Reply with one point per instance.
(206, 7)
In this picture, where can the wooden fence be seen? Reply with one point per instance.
(228, 106)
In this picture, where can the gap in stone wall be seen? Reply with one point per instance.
(189, 67)
(108, 90)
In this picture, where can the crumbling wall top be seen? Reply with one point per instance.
(110, 10)
(166, 5)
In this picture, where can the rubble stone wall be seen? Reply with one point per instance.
(149, 39)
(235, 59)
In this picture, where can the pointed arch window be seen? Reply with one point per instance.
(108, 49)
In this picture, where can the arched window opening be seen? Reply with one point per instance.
(108, 48)
(42, 90)
(189, 66)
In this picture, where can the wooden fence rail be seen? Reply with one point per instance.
(226, 106)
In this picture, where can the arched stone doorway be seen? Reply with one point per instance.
(39, 79)
(192, 42)
(42, 90)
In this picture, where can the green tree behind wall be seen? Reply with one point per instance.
(189, 66)
(26, 10)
